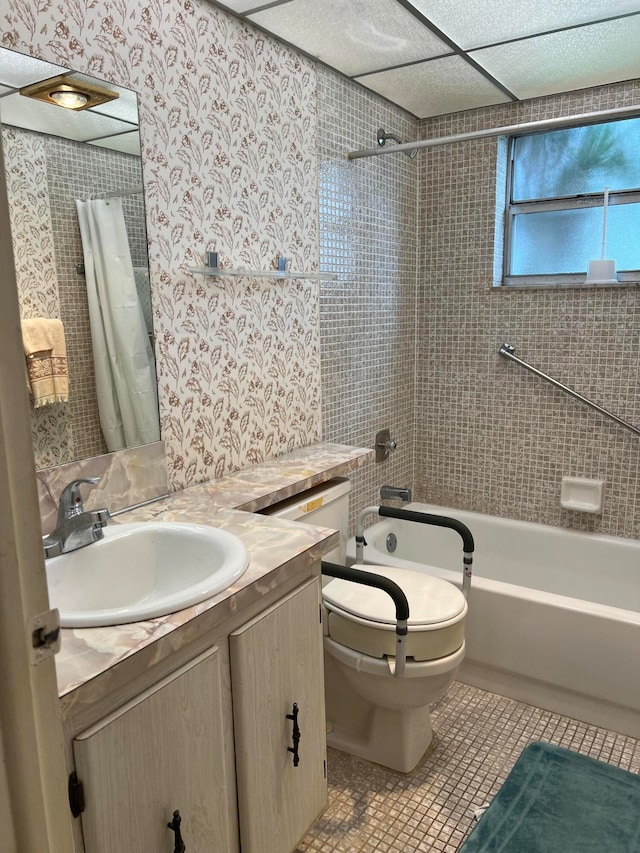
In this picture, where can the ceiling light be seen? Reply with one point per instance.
(68, 93)
(69, 99)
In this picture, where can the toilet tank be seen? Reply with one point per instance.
(326, 505)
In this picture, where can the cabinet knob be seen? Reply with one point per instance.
(295, 736)
(174, 825)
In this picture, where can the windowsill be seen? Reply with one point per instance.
(528, 282)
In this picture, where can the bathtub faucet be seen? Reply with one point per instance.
(395, 493)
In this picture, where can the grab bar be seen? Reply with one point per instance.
(422, 518)
(507, 351)
(346, 573)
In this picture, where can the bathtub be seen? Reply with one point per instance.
(554, 614)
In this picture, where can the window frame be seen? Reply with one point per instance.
(567, 202)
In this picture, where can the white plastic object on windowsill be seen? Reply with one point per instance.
(582, 494)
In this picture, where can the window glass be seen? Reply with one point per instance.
(577, 160)
(555, 212)
(564, 241)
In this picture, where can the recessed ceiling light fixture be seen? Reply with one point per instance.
(68, 93)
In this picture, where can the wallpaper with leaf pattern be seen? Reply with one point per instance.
(228, 122)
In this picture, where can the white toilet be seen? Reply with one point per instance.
(372, 713)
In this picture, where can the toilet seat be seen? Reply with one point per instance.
(363, 618)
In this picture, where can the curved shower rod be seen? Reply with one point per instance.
(507, 130)
(382, 137)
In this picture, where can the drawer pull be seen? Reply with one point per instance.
(175, 827)
(296, 735)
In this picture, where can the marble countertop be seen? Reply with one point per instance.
(278, 551)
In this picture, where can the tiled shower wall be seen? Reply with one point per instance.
(491, 436)
(367, 211)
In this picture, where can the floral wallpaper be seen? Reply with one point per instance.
(228, 125)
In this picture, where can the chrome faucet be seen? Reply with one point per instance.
(75, 528)
(395, 493)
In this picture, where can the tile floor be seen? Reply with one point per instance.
(478, 737)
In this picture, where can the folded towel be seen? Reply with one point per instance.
(46, 353)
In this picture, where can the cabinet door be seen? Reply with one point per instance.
(276, 660)
(169, 749)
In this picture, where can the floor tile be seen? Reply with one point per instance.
(478, 737)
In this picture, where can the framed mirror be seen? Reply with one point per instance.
(76, 201)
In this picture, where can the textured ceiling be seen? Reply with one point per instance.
(441, 56)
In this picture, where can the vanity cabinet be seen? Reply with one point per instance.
(163, 751)
(214, 740)
(276, 663)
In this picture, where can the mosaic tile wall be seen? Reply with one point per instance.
(228, 123)
(367, 212)
(492, 437)
(36, 276)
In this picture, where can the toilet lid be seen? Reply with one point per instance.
(432, 601)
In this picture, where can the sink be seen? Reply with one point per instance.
(139, 571)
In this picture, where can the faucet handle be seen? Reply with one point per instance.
(71, 500)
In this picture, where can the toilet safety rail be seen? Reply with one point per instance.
(507, 351)
(332, 570)
(421, 518)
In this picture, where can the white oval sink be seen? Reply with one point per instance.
(139, 571)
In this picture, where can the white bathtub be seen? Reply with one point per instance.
(554, 616)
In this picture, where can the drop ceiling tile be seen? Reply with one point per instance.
(439, 86)
(241, 6)
(24, 112)
(573, 59)
(353, 36)
(17, 70)
(128, 143)
(474, 23)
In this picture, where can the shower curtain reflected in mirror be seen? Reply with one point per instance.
(123, 361)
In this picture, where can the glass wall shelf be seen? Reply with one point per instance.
(221, 272)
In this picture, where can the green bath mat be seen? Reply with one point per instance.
(556, 801)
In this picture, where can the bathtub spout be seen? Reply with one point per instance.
(393, 493)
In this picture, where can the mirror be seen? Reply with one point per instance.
(53, 157)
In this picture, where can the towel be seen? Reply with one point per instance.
(46, 352)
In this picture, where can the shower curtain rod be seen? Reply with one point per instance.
(117, 193)
(525, 127)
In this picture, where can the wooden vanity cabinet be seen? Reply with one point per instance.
(276, 662)
(180, 745)
(161, 752)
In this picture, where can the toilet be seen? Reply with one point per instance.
(370, 712)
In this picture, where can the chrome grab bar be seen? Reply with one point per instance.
(507, 351)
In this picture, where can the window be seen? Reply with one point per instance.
(554, 216)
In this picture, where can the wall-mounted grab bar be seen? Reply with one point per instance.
(507, 351)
